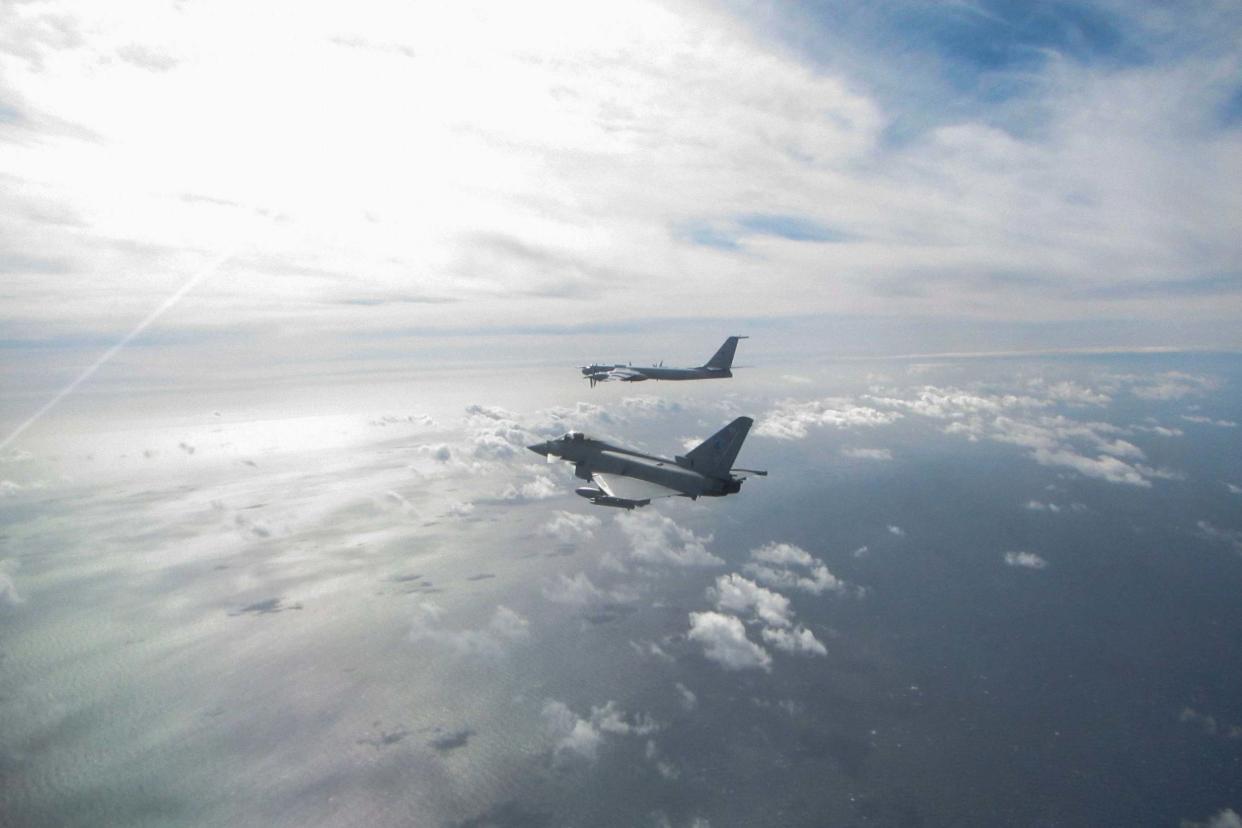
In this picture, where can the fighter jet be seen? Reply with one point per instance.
(627, 479)
(715, 368)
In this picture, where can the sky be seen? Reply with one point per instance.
(371, 181)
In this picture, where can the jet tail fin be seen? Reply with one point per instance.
(722, 360)
(714, 456)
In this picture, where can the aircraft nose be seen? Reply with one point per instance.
(539, 448)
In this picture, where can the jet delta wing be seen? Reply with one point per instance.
(718, 367)
(627, 479)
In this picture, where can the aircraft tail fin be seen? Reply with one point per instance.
(715, 455)
(722, 360)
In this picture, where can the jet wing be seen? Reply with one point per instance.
(628, 488)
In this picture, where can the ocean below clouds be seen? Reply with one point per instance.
(972, 592)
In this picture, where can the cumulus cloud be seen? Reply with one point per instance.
(657, 540)
(583, 736)
(568, 527)
(798, 640)
(579, 591)
(1027, 560)
(736, 594)
(791, 567)
(539, 487)
(724, 641)
(1040, 506)
(724, 635)
(896, 530)
(792, 420)
(492, 641)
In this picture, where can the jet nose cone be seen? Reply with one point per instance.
(539, 448)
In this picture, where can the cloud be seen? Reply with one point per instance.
(1040, 506)
(724, 641)
(540, 487)
(792, 420)
(1103, 467)
(1067, 391)
(579, 591)
(798, 640)
(1170, 385)
(657, 540)
(791, 567)
(1093, 449)
(896, 530)
(1234, 489)
(688, 699)
(568, 527)
(1026, 560)
(146, 57)
(736, 594)
(867, 453)
(440, 453)
(1229, 537)
(651, 648)
(459, 509)
(493, 641)
(1227, 818)
(9, 596)
(583, 736)
(1201, 420)
(917, 185)
(1209, 725)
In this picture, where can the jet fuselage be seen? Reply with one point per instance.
(672, 374)
(589, 455)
